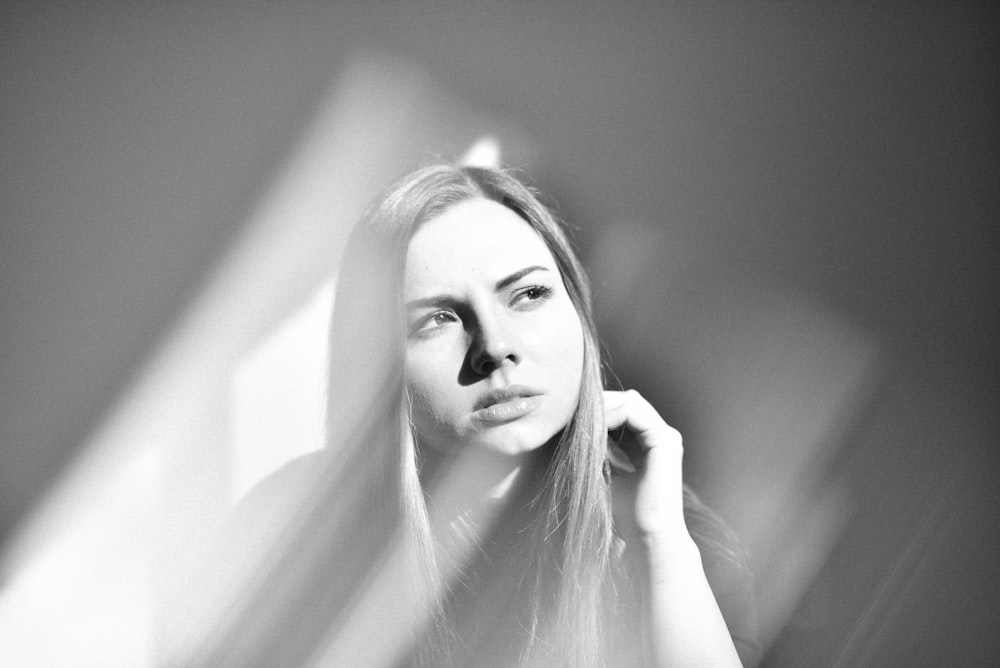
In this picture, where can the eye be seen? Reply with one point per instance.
(433, 322)
(531, 296)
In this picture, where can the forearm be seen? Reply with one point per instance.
(682, 622)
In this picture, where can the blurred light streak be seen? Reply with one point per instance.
(805, 543)
(86, 599)
(786, 394)
(383, 620)
(858, 648)
(87, 534)
(279, 394)
(775, 381)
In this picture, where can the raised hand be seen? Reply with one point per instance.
(682, 624)
(646, 482)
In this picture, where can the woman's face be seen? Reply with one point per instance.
(494, 351)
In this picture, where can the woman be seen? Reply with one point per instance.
(467, 394)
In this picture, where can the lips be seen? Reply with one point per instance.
(506, 404)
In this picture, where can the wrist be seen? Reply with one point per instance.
(670, 561)
(669, 549)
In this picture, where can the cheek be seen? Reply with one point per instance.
(428, 396)
(567, 352)
(431, 402)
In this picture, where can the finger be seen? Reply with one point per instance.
(624, 441)
(631, 410)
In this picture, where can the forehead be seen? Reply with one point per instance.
(475, 241)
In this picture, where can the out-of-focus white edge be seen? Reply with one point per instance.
(77, 576)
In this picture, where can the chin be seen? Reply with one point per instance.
(512, 449)
(515, 440)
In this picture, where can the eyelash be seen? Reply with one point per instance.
(540, 292)
(424, 327)
(544, 292)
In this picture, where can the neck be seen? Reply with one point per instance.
(470, 492)
(472, 478)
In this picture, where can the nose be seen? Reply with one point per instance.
(493, 344)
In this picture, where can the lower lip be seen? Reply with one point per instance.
(506, 411)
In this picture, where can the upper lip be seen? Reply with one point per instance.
(502, 394)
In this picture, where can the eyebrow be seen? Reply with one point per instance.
(517, 276)
(503, 283)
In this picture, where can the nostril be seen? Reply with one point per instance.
(483, 361)
(486, 359)
(491, 345)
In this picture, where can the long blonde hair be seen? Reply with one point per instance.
(327, 526)
(573, 526)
